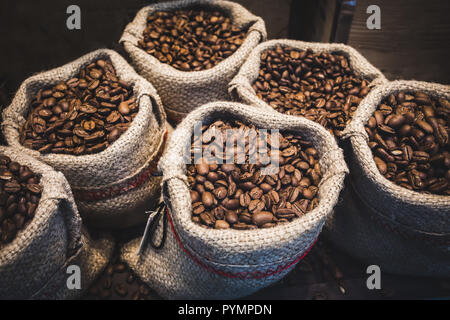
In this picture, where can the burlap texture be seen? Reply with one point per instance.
(240, 88)
(181, 91)
(402, 231)
(34, 264)
(122, 161)
(252, 259)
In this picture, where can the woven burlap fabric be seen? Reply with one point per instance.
(403, 231)
(174, 274)
(240, 88)
(181, 91)
(38, 257)
(120, 162)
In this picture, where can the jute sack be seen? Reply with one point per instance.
(379, 222)
(110, 187)
(240, 88)
(176, 87)
(34, 265)
(201, 263)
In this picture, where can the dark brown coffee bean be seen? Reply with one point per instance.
(262, 217)
(319, 86)
(231, 204)
(232, 195)
(191, 39)
(18, 199)
(207, 218)
(82, 116)
(410, 150)
(286, 213)
(396, 121)
(12, 187)
(207, 199)
(34, 188)
(231, 217)
(121, 289)
(220, 193)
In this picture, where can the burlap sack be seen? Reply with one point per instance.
(34, 265)
(110, 187)
(176, 87)
(381, 223)
(200, 263)
(240, 88)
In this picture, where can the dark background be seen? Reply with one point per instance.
(412, 44)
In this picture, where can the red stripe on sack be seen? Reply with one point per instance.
(134, 183)
(238, 275)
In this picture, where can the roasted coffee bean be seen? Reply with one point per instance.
(238, 195)
(118, 282)
(221, 224)
(319, 86)
(191, 40)
(83, 115)
(18, 199)
(409, 139)
(262, 217)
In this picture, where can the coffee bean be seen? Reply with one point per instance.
(202, 168)
(18, 199)
(83, 115)
(221, 224)
(262, 217)
(118, 282)
(191, 39)
(207, 199)
(319, 86)
(411, 150)
(239, 196)
(207, 218)
(231, 217)
(121, 289)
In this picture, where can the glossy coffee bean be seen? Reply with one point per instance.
(18, 198)
(319, 86)
(239, 195)
(191, 40)
(82, 115)
(409, 136)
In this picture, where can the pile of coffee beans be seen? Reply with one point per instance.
(191, 40)
(118, 282)
(319, 86)
(241, 196)
(83, 115)
(409, 137)
(20, 193)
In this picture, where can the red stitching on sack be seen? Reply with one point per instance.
(136, 182)
(239, 275)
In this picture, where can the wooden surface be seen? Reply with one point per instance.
(414, 40)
